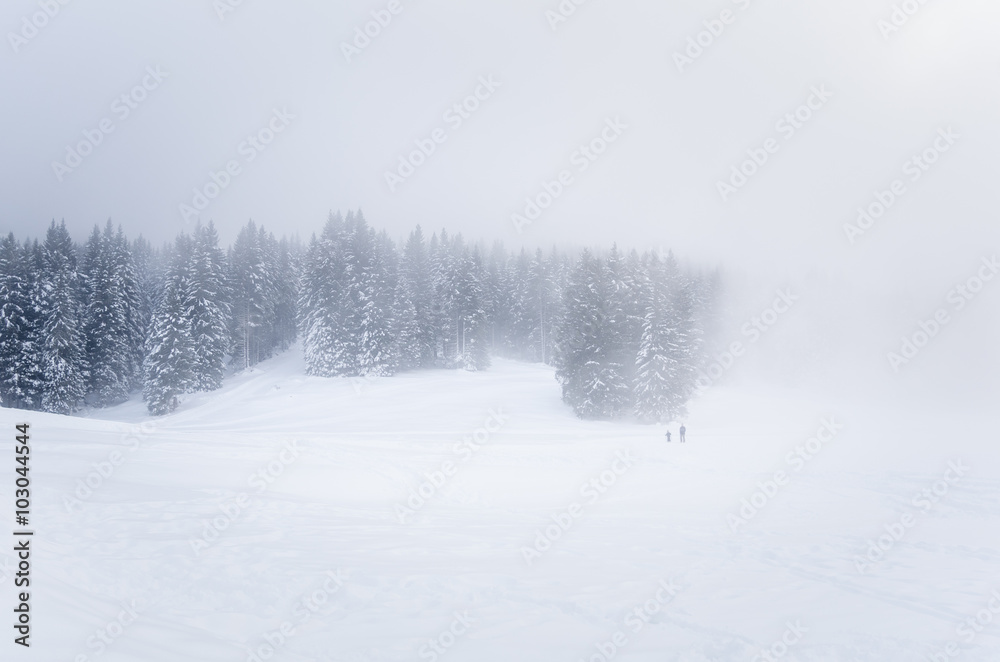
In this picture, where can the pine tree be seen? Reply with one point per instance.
(170, 355)
(287, 294)
(323, 302)
(688, 343)
(15, 326)
(580, 338)
(251, 276)
(498, 287)
(62, 344)
(131, 296)
(111, 325)
(369, 328)
(149, 277)
(658, 368)
(206, 301)
(416, 300)
(32, 379)
(620, 336)
(380, 328)
(471, 305)
(443, 315)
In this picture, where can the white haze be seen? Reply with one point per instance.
(654, 188)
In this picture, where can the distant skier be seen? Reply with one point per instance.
(668, 436)
(682, 431)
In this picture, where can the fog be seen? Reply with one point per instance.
(546, 87)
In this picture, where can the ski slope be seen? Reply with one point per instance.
(263, 521)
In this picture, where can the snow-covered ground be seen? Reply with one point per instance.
(276, 505)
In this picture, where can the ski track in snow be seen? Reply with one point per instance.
(363, 446)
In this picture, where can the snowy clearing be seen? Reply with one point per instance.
(305, 480)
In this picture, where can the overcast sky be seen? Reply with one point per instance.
(555, 86)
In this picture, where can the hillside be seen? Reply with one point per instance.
(307, 481)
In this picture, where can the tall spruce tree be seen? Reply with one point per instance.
(323, 302)
(111, 319)
(206, 301)
(580, 339)
(63, 361)
(658, 369)
(15, 325)
(32, 378)
(416, 300)
(170, 354)
(287, 292)
(252, 278)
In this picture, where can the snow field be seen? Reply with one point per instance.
(263, 519)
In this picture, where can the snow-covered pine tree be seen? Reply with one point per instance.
(619, 337)
(416, 299)
(501, 302)
(251, 277)
(371, 291)
(580, 339)
(543, 294)
(658, 369)
(323, 302)
(15, 325)
(63, 359)
(471, 305)
(131, 296)
(30, 367)
(314, 310)
(170, 354)
(109, 317)
(689, 338)
(557, 271)
(443, 273)
(285, 313)
(526, 315)
(206, 301)
(149, 279)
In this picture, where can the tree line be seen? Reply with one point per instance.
(89, 325)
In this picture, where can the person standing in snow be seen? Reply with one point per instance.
(682, 431)
(668, 435)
